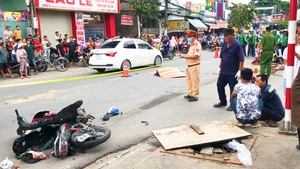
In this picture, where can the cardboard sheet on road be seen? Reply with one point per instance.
(168, 72)
(185, 136)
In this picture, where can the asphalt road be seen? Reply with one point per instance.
(142, 96)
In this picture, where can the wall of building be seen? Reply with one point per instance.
(13, 5)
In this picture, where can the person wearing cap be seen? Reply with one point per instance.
(22, 58)
(284, 40)
(8, 33)
(193, 58)
(268, 45)
(17, 33)
(251, 39)
(232, 61)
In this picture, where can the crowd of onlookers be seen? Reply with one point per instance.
(15, 50)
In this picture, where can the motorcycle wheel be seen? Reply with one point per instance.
(171, 55)
(42, 66)
(101, 134)
(85, 62)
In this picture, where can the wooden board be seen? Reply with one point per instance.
(184, 136)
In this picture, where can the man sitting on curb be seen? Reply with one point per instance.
(273, 109)
(245, 100)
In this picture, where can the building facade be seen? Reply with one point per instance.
(81, 19)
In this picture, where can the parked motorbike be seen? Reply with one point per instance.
(170, 54)
(14, 66)
(83, 57)
(69, 129)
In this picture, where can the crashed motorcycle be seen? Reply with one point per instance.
(68, 131)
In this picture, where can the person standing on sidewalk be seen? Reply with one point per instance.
(251, 40)
(231, 64)
(3, 61)
(30, 50)
(73, 48)
(39, 51)
(241, 39)
(295, 93)
(60, 48)
(268, 45)
(46, 45)
(193, 58)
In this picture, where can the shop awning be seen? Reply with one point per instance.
(197, 24)
(171, 31)
(212, 26)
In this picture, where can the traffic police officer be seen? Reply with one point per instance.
(193, 58)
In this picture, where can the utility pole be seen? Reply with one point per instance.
(166, 18)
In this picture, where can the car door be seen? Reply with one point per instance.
(146, 52)
(131, 52)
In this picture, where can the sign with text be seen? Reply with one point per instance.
(111, 6)
(79, 22)
(176, 25)
(126, 20)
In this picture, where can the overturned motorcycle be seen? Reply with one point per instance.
(67, 132)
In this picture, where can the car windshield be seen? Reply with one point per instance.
(111, 44)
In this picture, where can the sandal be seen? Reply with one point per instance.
(27, 76)
(255, 125)
(239, 124)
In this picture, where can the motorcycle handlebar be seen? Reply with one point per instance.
(17, 112)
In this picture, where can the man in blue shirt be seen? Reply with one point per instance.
(231, 64)
(273, 109)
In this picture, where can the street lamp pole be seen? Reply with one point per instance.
(166, 17)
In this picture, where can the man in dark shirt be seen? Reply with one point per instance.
(60, 48)
(73, 46)
(231, 64)
(30, 50)
(273, 109)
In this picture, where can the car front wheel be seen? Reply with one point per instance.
(157, 61)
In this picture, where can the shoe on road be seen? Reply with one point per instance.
(219, 105)
(272, 123)
(192, 99)
(187, 97)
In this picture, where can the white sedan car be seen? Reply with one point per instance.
(113, 54)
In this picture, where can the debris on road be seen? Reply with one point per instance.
(146, 122)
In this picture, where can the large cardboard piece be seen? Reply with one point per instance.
(185, 136)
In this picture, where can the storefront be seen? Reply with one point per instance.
(79, 18)
(13, 13)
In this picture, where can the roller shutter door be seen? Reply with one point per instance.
(52, 21)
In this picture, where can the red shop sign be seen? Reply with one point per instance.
(126, 20)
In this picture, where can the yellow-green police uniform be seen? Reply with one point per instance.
(193, 70)
(268, 42)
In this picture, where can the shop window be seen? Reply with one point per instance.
(129, 45)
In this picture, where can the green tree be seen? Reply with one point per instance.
(146, 9)
(283, 25)
(279, 4)
(241, 16)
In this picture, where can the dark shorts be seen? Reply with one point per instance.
(72, 57)
(4, 65)
(203, 43)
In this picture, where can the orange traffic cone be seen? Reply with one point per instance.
(217, 53)
(125, 70)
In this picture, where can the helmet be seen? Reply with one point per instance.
(17, 25)
(113, 111)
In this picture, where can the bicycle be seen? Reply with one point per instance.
(60, 63)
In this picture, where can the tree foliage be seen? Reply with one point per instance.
(241, 16)
(279, 4)
(146, 9)
(283, 25)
